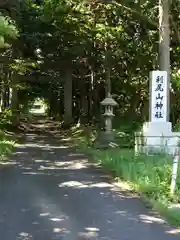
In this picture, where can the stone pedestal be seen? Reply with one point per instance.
(105, 139)
(157, 137)
(157, 128)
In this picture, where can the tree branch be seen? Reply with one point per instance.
(175, 28)
(135, 12)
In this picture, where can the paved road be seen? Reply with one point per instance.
(53, 193)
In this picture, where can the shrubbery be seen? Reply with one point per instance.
(149, 175)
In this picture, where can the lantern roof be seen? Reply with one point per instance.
(109, 101)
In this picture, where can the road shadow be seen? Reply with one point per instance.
(53, 192)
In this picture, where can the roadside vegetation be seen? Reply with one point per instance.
(148, 175)
(6, 147)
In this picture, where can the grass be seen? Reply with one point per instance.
(148, 175)
(6, 147)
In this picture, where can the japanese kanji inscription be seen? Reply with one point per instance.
(158, 96)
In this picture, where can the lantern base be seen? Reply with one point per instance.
(105, 139)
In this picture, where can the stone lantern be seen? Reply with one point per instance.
(106, 138)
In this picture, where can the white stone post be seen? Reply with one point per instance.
(158, 125)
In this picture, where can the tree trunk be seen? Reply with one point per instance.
(96, 102)
(90, 90)
(107, 72)
(15, 107)
(68, 119)
(83, 100)
(5, 98)
(164, 43)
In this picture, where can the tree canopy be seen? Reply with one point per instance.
(68, 51)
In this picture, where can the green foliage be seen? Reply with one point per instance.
(125, 130)
(149, 175)
(6, 118)
(177, 126)
(6, 146)
(7, 30)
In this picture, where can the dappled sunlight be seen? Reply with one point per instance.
(123, 185)
(151, 219)
(62, 165)
(77, 184)
(42, 161)
(8, 163)
(88, 235)
(44, 146)
(20, 153)
(44, 214)
(36, 173)
(122, 213)
(77, 164)
(58, 165)
(73, 184)
(52, 167)
(124, 194)
(31, 136)
(58, 194)
(173, 231)
(66, 139)
(59, 230)
(56, 219)
(52, 214)
(92, 229)
(101, 185)
(127, 215)
(27, 168)
(24, 236)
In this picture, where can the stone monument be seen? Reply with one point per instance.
(106, 138)
(157, 133)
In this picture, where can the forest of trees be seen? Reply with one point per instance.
(68, 51)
